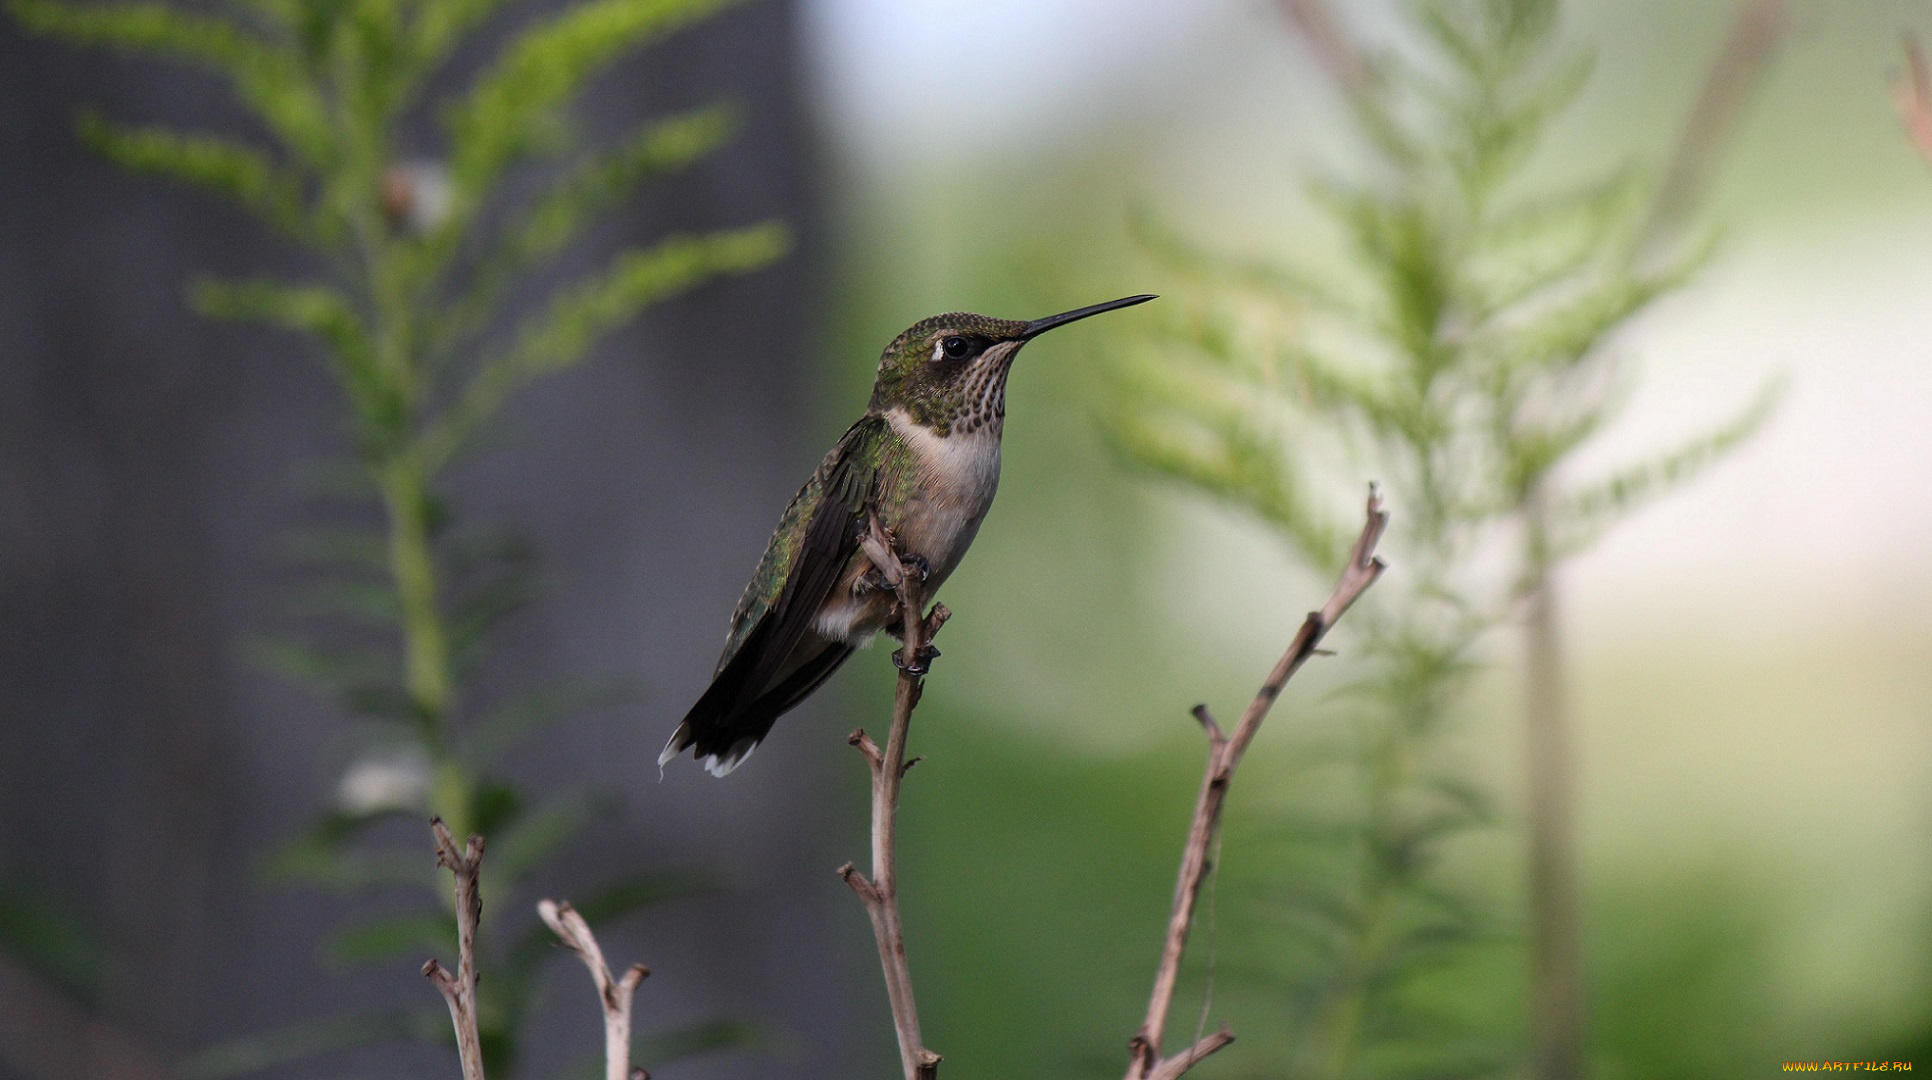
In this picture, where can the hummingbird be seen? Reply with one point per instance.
(921, 465)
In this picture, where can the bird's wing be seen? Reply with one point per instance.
(768, 664)
(801, 566)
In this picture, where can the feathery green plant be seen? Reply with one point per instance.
(1465, 365)
(418, 259)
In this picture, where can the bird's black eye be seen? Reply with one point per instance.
(957, 348)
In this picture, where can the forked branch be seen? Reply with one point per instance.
(614, 994)
(880, 892)
(459, 990)
(1224, 756)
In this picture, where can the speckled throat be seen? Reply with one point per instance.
(981, 405)
(973, 402)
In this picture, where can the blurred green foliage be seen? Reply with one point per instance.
(419, 257)
(1463, 363)
(50, 940)
(1041, 833)
(1684, 991)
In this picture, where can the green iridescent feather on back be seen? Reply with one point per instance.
(848, 474)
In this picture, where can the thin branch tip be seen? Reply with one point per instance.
(1213, 727)
(614, 995)
(867, 747)
(860, 884)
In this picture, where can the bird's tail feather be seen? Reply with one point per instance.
(723, 730)
(716, 762)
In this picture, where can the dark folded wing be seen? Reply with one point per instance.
(765, 632)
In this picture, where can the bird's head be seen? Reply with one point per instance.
(948, 372)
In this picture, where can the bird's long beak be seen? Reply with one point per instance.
(1040, 326)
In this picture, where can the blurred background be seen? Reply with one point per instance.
(1748, 654)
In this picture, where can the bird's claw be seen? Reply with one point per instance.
(919, 665)
(916, 563)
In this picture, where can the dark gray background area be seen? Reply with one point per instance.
(149, 463)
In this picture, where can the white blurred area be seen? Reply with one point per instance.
(1752, 655)
(910, 83)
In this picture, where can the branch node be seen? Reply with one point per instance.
(867, 747)
(440, 975)
(860, 884)
(1172, 1068)
(1208, 723)
(910, 762)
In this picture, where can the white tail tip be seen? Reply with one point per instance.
(720, 765)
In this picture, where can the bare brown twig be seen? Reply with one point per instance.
(614, 994)
(1714, 119)
(1224, 755)
(880, 892)
(1339, 56)
(459, 990)
(1913, 95)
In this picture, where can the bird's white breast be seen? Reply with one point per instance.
(960, 466)
(959, 474)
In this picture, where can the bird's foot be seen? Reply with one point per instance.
(877, 541)
(916, 565)
(920, 664)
